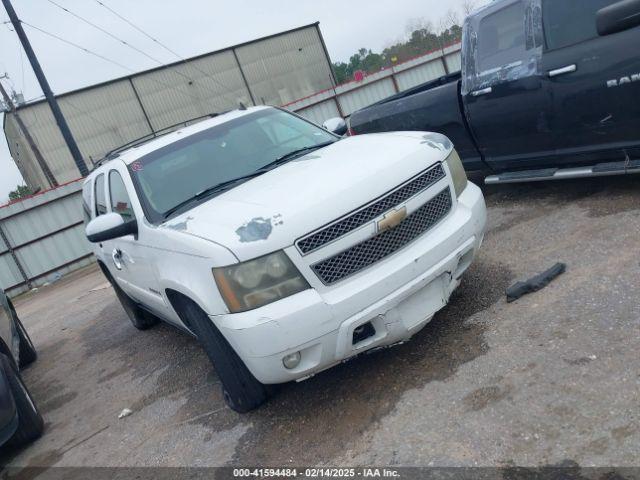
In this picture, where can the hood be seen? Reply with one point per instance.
(270, 212)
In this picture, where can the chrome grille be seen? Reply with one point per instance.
(368, 213)
(367, 253)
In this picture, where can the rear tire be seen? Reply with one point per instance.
(28, 353)
(140, 318)
(242, 392)
(30, 422)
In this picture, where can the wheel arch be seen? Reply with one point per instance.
(176, 300)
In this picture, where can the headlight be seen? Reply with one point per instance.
(458, 174)
(258, 282)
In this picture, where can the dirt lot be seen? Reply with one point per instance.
(551, 378)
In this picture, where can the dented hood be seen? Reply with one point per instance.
(270, 212)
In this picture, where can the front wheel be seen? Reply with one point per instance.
(30, 422)
(241, 390)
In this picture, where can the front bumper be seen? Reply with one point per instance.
(320, 324)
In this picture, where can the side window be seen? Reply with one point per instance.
(100, 195)
(86, 202)
(120, 202)
(501, 38)
(568, 22)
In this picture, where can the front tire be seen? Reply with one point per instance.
(242, 392)
(30, 422)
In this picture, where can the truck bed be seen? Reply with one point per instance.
(432, 106)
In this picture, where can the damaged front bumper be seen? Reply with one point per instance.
(329, 329)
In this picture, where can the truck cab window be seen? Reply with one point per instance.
(501, 38)
(120, 202)
(568, 22)
(101, 202)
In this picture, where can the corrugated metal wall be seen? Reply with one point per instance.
(41, 238)
(285, 68)
(277, 70)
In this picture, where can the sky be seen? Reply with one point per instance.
(188, 27)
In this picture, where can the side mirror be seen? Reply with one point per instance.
(336, 125)
(110, 226)
(617, 17)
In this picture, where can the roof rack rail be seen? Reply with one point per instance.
(110, 155)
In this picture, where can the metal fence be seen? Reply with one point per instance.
(345, 99)
(42, 238)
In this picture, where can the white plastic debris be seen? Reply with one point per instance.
(125, 413)
(592, 357)
(102, 286)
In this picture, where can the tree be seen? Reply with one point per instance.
(469, 6)
(420, 38)
(21, 191)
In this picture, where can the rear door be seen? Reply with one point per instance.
(594, 81)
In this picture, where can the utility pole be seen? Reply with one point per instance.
(44, 85)
(32, 144)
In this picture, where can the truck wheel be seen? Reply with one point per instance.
(30, 422)
(28, 352)
(241, 390)
(140, 319)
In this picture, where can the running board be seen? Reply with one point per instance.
(599, 170)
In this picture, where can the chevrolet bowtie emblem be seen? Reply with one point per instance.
(392, 219)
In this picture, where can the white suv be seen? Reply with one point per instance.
(284, 248)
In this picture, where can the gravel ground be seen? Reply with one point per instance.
(550, 379)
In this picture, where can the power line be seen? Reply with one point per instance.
(106, 32)
(68, 42)
(129, 22)
(174, 53)
(178, 72)
(86, 50)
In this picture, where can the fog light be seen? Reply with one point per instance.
(292, 360)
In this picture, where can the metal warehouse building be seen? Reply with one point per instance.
(272, 70)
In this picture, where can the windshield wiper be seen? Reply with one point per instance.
(294, 154)
(207, 192)
(221, 187)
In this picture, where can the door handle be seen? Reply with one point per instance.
(116, 255)
(484, 91)
(563, 70)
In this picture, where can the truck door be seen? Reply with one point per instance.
(506, 95)
(594, 81)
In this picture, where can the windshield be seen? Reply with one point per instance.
(171, 176)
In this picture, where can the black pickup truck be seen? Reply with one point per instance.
(549, 89)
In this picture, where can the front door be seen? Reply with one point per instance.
(506, 94)
(595, 83)
(130, 262)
